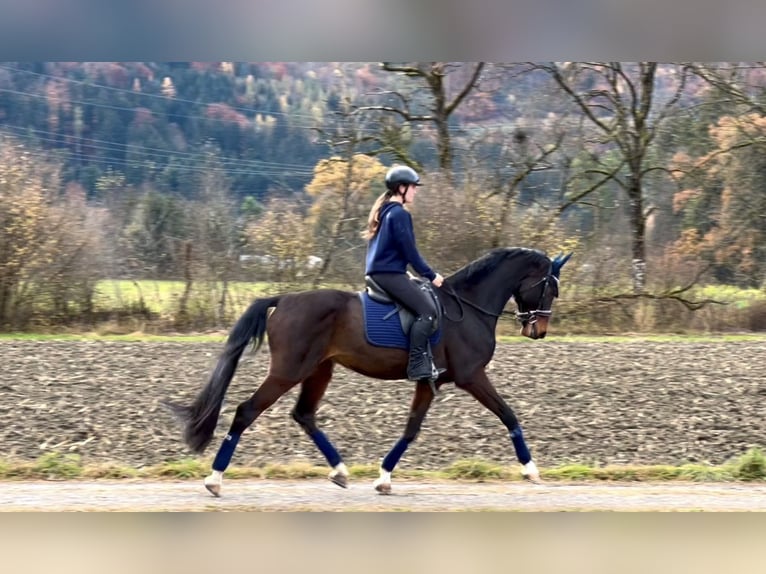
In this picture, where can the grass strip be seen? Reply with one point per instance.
(749, 467)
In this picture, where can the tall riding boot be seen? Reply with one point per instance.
(421, 365)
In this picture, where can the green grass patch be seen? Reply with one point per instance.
(182, 469)
(651, 473)
(568, 472)
(162, 297)
(737, 297)
(476, 470)
(54, 466)
(655, 473)
(702, 473)
(294, 471)
(109, 471)
(364, 470)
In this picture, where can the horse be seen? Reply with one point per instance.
(309, 332)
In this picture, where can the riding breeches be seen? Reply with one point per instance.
(400, 287)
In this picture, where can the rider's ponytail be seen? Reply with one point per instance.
(373, 221)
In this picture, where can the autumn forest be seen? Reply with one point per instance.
(217, 174)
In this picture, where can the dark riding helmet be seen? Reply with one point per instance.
(401, 174)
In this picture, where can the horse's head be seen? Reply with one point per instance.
(534, 298)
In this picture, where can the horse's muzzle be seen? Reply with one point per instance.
(536, 328)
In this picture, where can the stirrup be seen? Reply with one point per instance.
(435, 374)
(422, 369)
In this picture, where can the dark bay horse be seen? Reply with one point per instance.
(309, 332)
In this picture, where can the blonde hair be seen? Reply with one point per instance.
(373, 220)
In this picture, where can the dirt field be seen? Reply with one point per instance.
(600, 403)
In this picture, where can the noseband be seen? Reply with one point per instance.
(530, 317)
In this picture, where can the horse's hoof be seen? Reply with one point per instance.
(213, 483)
(383, 488)
(531, 473)
(533, 478)
(339, 479)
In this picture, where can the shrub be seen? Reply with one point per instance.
(751, 466)
(756, 315)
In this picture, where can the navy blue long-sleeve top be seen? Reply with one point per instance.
(393, 246)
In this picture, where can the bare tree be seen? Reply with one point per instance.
(219, 232)
(733, 79)
(343, 185)
(523, 158)
(435, 77)
(346, 142)
(624, 107)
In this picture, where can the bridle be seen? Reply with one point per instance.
(530, 317)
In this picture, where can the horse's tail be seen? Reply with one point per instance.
(201, 416)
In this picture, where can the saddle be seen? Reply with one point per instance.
(406, 317)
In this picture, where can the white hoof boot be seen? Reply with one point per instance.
(339, 475)
(383, 483)
(530, 473)
(213, 482)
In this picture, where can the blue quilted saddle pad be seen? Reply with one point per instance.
(383, 328)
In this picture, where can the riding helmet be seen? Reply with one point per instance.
(401, 174)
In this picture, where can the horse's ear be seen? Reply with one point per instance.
(558, 263)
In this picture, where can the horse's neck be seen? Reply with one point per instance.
(493, 292)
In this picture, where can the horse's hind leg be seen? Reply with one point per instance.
(312, 390)
(482, 389)
(421, 402)
(247, 411)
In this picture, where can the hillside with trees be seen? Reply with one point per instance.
(211, 173)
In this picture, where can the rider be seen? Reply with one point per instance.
(391, 247)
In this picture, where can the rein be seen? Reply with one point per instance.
(530, 316)
(460, 300)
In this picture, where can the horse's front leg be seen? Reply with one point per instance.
(421, 402)
(481, 388)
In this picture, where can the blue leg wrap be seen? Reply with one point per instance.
(328, 450)
(392, 458)
(223, 458)
(522, 452)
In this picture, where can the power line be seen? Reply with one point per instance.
(144, 94)
(339, 121)
(64, 154)
(103, 145)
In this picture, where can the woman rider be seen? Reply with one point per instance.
(391, 247)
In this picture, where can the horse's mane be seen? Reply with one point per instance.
(476, 270)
